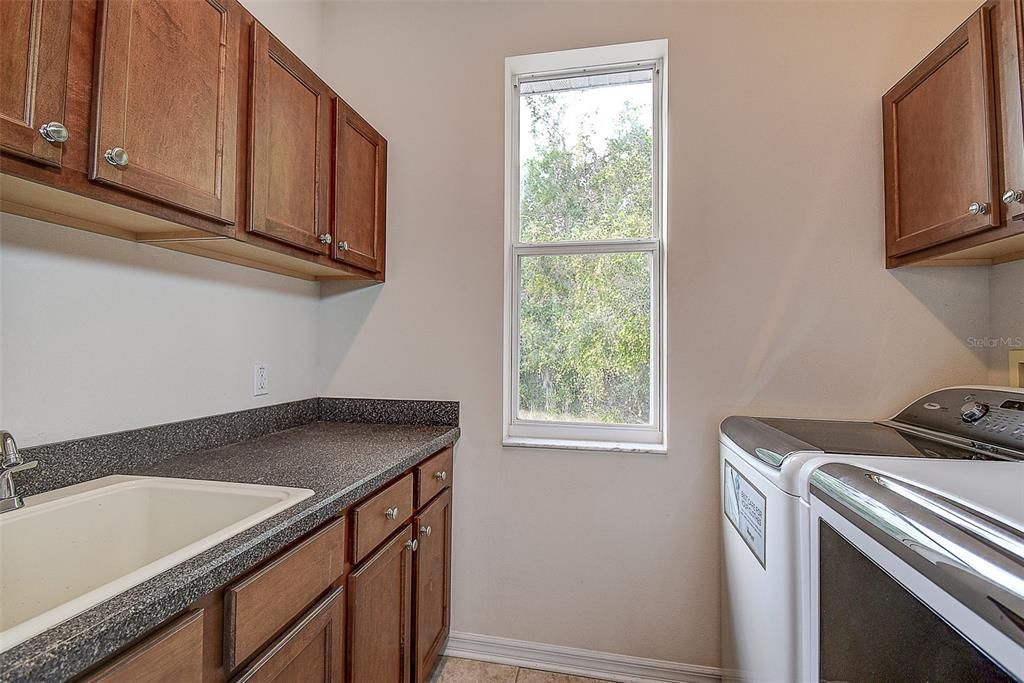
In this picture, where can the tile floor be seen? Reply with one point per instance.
(452, 670)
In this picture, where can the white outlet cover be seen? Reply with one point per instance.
(260, 380)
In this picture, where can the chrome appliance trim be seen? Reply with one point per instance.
(979, 447)
(975, 558)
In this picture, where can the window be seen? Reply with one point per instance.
(583, 237)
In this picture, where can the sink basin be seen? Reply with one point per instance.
(70, 549)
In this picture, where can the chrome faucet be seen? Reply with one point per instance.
(11, 462)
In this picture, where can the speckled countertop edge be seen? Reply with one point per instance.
(74, 646)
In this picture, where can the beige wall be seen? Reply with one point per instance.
(297, 23)
(100, 335)
(1006, 329)
(777, 299)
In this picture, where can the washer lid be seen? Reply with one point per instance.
(773, 439)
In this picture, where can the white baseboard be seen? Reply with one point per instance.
(576, 661)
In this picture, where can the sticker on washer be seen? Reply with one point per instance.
(745, 507)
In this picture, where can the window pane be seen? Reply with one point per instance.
(585, 338)
(586, 157)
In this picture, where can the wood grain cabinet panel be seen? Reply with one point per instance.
(380, 516)
(34, 55)
(380, 614)
(1007, 21)
(311, 650)
(289, 154)
(261, 604)
(165, 107)
(432, 572)
(941, 144)
(360, 178)
(174, 653)
(434, 475)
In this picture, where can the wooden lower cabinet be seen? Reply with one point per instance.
(311, 650)
(432, 576)
(174, 653)
(269, 598)
(317, 611)
(380, 613)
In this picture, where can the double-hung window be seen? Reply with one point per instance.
(583, 248)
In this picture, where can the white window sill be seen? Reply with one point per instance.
(572, 445)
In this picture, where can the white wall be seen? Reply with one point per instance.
(778, 300)
(100, 335)
(1007, 316)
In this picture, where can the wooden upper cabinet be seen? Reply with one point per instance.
(1008, 40)
(165, 102)
(33, 78)
(289, 154)
(941, 144)
(360, 190)
(432, 569)
(380, 611)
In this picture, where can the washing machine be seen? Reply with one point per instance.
(765, 469)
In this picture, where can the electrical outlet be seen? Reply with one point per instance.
(260, 383)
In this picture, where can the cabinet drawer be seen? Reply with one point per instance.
(313, 649)
(174, 653)
(381, 515)
(433, 475)
(263, 603)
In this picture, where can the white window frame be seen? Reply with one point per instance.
(578, 435)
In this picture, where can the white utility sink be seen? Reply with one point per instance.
(70, 549)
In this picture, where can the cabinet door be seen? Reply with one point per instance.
(311, 650)
(174, 653)
(289, 153)
(941, 156)
(432, 572)
(380, 610)
(33, 77)
(1008, 39)
(166, 103)
(360, 190)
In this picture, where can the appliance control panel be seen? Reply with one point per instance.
(984, 416)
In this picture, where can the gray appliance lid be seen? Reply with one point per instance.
(974, 423)
(774, 439)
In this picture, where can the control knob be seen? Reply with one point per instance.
(972, 411)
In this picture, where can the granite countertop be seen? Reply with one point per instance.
(340, 462)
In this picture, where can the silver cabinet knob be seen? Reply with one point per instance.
(118, 156)
(440, 476)
(54, 131)
(325, 238)
(1011, 196)
(412, 545)
(343, 245)
(391, 513)
(977, 208)
(425, 531)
